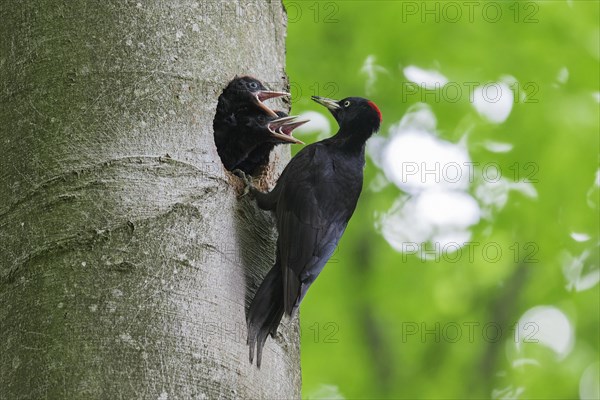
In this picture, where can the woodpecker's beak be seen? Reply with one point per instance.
(263, 95)
(282, 128)
(331, 105)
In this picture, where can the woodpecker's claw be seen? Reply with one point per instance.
(247, 183)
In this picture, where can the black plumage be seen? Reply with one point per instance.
(313, 201)
(244, 126)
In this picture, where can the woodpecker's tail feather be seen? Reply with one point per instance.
(265, 312)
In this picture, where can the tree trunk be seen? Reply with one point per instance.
(127, 261)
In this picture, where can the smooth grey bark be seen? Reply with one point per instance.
(126, 260)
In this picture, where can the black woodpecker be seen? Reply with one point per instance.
(269, 133)
(313, 200)
(243, 123)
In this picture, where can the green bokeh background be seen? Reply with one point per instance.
(359, 318)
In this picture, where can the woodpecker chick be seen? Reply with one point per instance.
(243, 122)
(280, 132)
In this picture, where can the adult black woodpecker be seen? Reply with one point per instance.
(243, 122)
(313, 200)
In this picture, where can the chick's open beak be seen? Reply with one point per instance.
(282, 128)
(263, 95)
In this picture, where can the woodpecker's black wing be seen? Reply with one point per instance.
(314, 206)
(312, 213)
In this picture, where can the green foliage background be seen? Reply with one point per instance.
(358, 318)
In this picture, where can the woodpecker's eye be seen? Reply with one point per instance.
(253, 85)
(346, 104)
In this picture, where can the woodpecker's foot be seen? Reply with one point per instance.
(247, 182)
